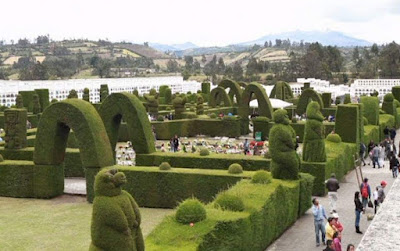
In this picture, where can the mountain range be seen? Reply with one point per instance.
(173, 47)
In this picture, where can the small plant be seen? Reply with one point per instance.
(333, 137)
(235, 169)
(165, 166)
(229, 202)
(261, 177)
(190, 211)
(160, 118)
(213, 115)
(204, 152)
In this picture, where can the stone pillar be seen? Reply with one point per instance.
(15, 128)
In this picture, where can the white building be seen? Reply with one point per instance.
(366, 86)
(319, 86)
(59, 89)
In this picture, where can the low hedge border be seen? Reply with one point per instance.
(212, 161)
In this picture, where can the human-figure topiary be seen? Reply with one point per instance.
(116, 217)
(285, 161)
(72, 94)
(86, 95)
(36, 109)
(19, 101)
(313, 143)
(199, 106)
(179, 106)
(152, 103)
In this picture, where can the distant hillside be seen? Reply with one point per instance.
(173, 47)
(211, 50)
(323, 37)
(145, 51)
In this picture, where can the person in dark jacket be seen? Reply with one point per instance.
(332, 185)
(394, 164)
(359, 209)
(386, 131)
(371, 146)
(392, 133)
(330, 246)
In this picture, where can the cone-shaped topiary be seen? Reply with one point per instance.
(19, 101)
(333, 137)
(313, 143)
(235, 168)
(116, 218)
(261, 177)
(204, 152)
(36, 109)
(86, 95)
(285, 161)
(229, 202)
(165, 166)
(190, 211)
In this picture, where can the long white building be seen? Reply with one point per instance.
(59, 89)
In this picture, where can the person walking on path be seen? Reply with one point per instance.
(394, 165)
(319, 217)
(359, 209)
(365, 192)
(363, 148)
(330, 228)
(371, 146)
(375, 196)
(176, 143)
(246, 146)
(386, 131)
(375, 156)
(338, 224)
(337, 241)
(381, 192)
(332, 185)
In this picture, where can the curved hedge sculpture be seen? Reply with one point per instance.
(235, 89)
(264, 105)
(313, 143)
(217, 95)
(54, 126)
(129, 107)
(306, 96)
(282, 138)
(281, 91)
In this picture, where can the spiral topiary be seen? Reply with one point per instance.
(314, 144)
(235, 168)
(190, 211)
(261, 177)
(229, 202)
(204, 152)
(165, 166)
(333, 137)
(285, 161)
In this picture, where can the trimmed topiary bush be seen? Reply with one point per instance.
(261, 177)
(116, 217)
(219, 95)
(294, 120)
(365, 121)
(43, 98)
(190, 211)
(54, 100)
(165, 166)
(86, 95)
(388, 105)
(19, 101)
(199, 105)
(204, 152)
(305, 97)
(1, 158)
(179, 106)
(347, 99)
(213, 116)
(152, 103)
(371, 109)
(281, 91)
(235, 169)
(229, 202)
(72, 94)
(333, 137)
(205, 87)
(347, 123)
(36, 109)
(314, 143)
(326, 99)
(168, 96)
(160, 118)
(104, 92)
(285, 161)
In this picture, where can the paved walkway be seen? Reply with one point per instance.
(75, 186)
(301, 235)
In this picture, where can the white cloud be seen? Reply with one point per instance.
(207, 22)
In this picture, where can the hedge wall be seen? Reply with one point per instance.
(194, 160)
(371, 109)
(385, 120)
(327, 99)
(396, 92)
(27, 98)
(192, 127)
(371, 132)
(347, 123)
(152, 187)
(43, 98)
(269, 210)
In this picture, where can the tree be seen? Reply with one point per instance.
(237, 71)
(189, 63)
(390, 60)
(221, 66)
(358, 62)
(45, 39)
(172, 66)
(375, 49)
(211, 68)
(196, 66)
(203, 59)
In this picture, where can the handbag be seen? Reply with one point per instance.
(370, 204)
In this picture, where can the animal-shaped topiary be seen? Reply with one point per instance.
(116, 217)
(285, 161)
(314, 143)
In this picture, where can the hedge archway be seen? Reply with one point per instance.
(235, 90)
(281, 91)
(306, 97)
(264, 105)
(127, 106)
(54, 126)
(217, 95)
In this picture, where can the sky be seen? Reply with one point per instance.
(203, 22)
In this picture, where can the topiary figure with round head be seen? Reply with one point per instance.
(313, 143)
(116, 217)
(285, 161)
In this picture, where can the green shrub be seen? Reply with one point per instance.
(294, 120)
(54, 100)
(326, 99)
(165, 166)
(371, 109)
(261, 119)
(213, 115)
(160, 118)
(104, 92)
(396, 92)
(388, 97)
(1, 158)
(190, 211)
(86, 94)
(281, 91)
(347, 99)
(72, 94)
(333, 137)
(229, 202)
(189, 115)
(19, 101)
(261, 177)
(388, 105)
(205, 87)
(36, 109)
(365, 121)
(313, 143)
(204, 152)
(347, 123)
(235, 169)
(305, 97)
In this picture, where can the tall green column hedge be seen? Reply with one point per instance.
(44, 97)
(314, 143)
(347, 123)
(371, 109)
(327, 99)
(15, 128)
(27, 97)
(396, 92)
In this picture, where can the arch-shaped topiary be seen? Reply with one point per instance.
(306, 97)
(219, 94)
(54, 126)
(127, 106)
(264, 105)
(313, 143)
(234, 87)
(281, 91)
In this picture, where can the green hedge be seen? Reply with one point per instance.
(27, 99)
(347, 123)
(43, 98)
(152, 187)
(371, 132)
(269, 210)
(212, 161)
(371, 109)
(329, 111)
(385, 120)
(327, 99)
(305, 97)
(396, 92)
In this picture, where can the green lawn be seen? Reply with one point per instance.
(62, 223)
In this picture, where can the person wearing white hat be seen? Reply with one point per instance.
(337, 224)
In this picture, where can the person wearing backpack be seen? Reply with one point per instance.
(365, 193)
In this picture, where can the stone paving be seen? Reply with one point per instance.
(75, 186)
